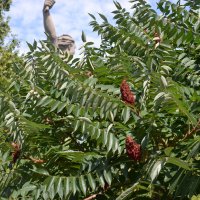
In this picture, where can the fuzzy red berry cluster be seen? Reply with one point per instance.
(16, 152)
(133, 149)
(127, 95)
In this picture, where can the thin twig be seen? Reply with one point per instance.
(190, 133)
(91, 197)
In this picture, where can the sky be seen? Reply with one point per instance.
(70, 17)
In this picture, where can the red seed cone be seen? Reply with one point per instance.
(127, 95)
(16, 152)
(133, 149)
(15, 156)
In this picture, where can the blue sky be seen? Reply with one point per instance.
(70, 17)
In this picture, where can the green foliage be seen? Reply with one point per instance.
(8, 55)
(67, 116)
(4, 6)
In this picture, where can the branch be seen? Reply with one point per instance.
(91, 197)
(190, 133)
(35, 160)
(39, 161)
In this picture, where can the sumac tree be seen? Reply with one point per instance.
(73, 128)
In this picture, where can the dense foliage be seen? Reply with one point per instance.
(8, 43)
(4, 6)
(122, 122)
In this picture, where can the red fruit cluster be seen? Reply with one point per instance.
(16, 152)
(127, 95)
(133, 149)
